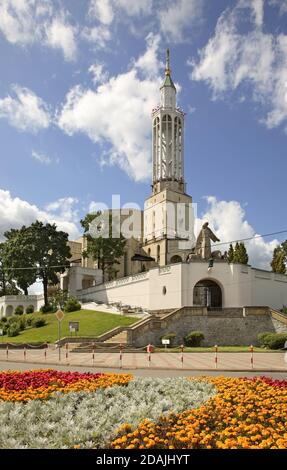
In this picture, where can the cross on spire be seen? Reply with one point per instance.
(167, 63)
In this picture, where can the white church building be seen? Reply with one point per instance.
(164, 266)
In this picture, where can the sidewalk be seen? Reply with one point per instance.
(171, 361)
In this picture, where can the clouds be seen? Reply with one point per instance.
(61, 35)
(177, 16)
(25, 22)
(15, 212)
(118, 113)
(254, 62)
(25, 110)
(228, 220)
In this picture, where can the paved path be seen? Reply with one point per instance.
(139, 372)
(263, 362)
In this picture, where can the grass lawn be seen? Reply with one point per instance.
(220, 349)
(92, 323)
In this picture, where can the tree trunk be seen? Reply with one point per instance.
(25, 290)
(45, 286)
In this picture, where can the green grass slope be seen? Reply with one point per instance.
(92, 323)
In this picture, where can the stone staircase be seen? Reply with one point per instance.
(121, 338)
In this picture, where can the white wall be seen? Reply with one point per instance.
(14, 300)
(241, 286)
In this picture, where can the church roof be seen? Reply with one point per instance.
(168, 80)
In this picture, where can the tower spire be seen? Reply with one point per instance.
(167, 63)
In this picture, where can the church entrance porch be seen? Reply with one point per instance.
(207, 293)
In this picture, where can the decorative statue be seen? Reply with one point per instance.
(203, 242)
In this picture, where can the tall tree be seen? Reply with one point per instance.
(50, 252)
(243, 256)
(279, 259)
(230, 254)
(104, 249)
(239, 253)
(19, 258)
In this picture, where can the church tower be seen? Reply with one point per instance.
(168, 215)
(167, 138)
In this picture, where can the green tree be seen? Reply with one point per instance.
(18, 255)
(105, 250)
(236, 254)
(230, 254)
(240, 254)
(279, 259)
(243, 256)
(50, 252)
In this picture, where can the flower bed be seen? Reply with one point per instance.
(52, 409)
(31, 385)
(243, 414)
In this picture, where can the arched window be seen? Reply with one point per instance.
(156, 148)
(166, 146)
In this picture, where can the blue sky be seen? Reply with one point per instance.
(78, 80)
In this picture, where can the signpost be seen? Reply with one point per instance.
(74, 326)
(165, 342)
(59, 315)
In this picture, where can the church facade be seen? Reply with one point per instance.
(164, 266)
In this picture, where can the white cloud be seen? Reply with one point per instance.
(257, 59)
(177, 15)
(281, 4)
(228, 220)
(99, 73)
(148, 63)
(133, 8)
(102, 10)
(25, 111)
(26, 22)
(116, 113)
(41, 157)
(98, 35)
(64, 208)
(61, 35)
(15, 212)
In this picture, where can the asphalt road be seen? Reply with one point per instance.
(141, 372)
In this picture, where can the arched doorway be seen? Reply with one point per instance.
(9, 311)
(207, 293)
(176, 259)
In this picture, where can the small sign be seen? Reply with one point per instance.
(60, 315)
(165, 341)
(74, 326)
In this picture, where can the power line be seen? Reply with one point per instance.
(216, 244)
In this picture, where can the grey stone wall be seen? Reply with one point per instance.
(229, 329)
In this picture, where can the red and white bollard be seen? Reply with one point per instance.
(93, 354)
(149, 349)
(24, 353)
(215, 356)
(251, 356)
(67, 351)
(7, 352)
(181, 356)
(121, 356)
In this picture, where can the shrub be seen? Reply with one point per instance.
(29, 321)
(171, 337)
(19, 310)
(48, 309)
(194, 338)
(13, 330)
(4, 320)
(38, 322)
(263, 337)
(13, 319)
(22, 323)
(72, 304)
(276, 340)
(30, 309)
(284, 309)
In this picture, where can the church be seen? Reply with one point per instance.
(164, 266)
